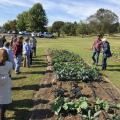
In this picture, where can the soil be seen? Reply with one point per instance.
(44, 97)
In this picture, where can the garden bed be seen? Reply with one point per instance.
(45, 97)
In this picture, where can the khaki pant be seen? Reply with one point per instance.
(26, 61)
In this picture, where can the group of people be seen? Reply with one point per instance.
(19, 50)
(11, 54)
(101, 44)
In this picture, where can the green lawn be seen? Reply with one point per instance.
(82, 46)
(24, 87)
(25, 84)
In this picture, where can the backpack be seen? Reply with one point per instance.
(109, 54)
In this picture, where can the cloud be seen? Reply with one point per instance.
(14, 3)
(77, 9)
(66, 10)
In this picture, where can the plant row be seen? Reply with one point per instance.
(69, 66)
(81, 106)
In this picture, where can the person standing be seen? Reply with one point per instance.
(31, 50)
(5, 82)
(26, 53)
(106, 53)
(17, 51)
(9, 51)
(34, 42)
(2, 41)
(13, 40)
(96, 49)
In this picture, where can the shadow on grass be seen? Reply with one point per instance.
(45, 85)
(35, 72)
(20, 114)
(27, 87)
(114, 65)
(22, 108)
(39, 64)
(114, 69)
(18, 78)
(41, 114)
(37, 59)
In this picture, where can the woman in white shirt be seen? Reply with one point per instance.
(5, 82)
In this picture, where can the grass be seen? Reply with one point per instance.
(25, 84)
(24, 87)
(82, 46)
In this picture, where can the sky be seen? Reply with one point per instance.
(64, 10)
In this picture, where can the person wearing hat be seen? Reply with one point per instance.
(17, 51)
(5, 82)
(106, 53)
(96, 47)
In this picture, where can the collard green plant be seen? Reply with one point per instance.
(57, 105)
(101, 105)
(69, 66)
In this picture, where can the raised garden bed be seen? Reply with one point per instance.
(52, 87)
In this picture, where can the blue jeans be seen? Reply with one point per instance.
(104, 61)
(18, 61)
(95, 56)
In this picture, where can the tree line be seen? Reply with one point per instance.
(35, 19)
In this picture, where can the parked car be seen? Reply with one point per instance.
(48, 35)
(40, 34)
(20, 32)
(24, 33)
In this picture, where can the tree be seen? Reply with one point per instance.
(56, 27)
(22, 21)
(118, 28)
(37, 19)
(102, 20)
(69, 28)
(6, 26)
(49, 29)
(114, 28)
(10, 25)
(82, 28)
(13, 25)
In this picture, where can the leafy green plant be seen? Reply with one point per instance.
(81, 103)
(69, 66)
(89, 116)
(101, 105)
(58, 104)
(75, 71)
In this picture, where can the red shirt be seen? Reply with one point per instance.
(17, 48)
(97, 44)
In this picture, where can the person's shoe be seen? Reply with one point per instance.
(17, 72)
(103, 68)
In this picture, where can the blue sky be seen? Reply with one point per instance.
(65, 10)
